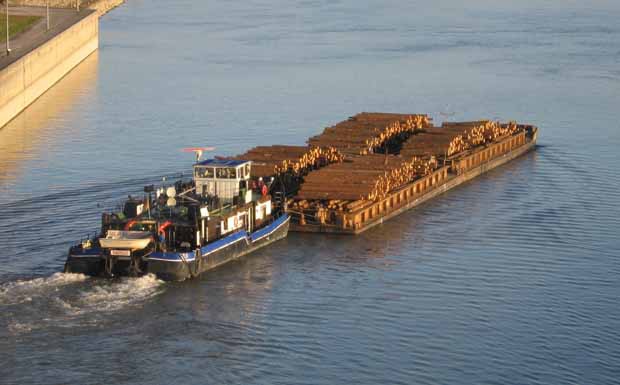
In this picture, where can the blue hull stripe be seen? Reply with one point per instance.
(221, 243)
(267, 230)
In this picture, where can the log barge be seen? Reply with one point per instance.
(352, 177)
(374, 166)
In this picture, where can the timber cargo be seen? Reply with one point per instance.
(373, 166)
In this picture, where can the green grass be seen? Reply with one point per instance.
(17, 24)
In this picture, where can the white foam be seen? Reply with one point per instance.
(19, 328)
(23, 290)
(66, 307)
(88, 304)
(116, 295)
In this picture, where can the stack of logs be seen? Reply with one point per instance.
(453, 138)
(365, 132)
(368, 177)
(480, 134)
(433, 141)
(414, 169)
(313, 159)
(272, 160)
(341, 170)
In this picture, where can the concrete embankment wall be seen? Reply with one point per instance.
(25, 80)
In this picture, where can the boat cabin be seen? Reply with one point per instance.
(187, 215)
(225, 178)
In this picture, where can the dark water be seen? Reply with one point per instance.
(510, 279)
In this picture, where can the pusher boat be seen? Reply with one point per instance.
(180, 231)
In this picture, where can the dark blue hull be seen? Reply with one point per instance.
(174, 266)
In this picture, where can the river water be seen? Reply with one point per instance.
(512, 278)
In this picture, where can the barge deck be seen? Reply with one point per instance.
(411, 201)
(374, 166)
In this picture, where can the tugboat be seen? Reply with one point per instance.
(180, 231)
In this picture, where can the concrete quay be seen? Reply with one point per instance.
(37, 34)
(40, 57)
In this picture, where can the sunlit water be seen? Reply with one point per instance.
(512, 278)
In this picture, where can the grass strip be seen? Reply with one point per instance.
(17, 24)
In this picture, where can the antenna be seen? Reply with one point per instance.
(447, 112)
(198, 151)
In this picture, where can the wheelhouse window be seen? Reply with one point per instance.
(204, 172)
(226, 173)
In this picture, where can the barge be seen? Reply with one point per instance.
(374, 166)
(180, 231)
(352, 177)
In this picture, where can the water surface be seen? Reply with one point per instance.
(512, 278)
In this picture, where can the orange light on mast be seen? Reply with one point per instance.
(198, 151)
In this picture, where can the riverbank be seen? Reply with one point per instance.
(40, 57)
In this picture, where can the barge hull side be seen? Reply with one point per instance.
(182, 269)
(449, 184)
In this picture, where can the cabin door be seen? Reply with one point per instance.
(250, 218)
(246, 220)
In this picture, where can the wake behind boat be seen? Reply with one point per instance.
(180, 231)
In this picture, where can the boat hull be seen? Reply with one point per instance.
(174, 266)
(85, 261)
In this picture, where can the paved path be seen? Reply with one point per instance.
(37, 34)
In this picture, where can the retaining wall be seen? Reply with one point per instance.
(25, 80)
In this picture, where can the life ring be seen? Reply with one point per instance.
(130, 223)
